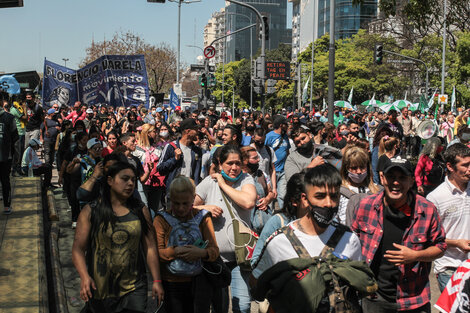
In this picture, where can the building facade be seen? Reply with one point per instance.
(215, 28)
(311, 20)
(244, 44)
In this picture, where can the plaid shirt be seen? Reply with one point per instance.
(425, 230)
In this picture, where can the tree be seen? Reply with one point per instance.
(160, 60)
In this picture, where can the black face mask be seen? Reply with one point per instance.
(306, 148)
(253, 167)
(259, 145)
(322, 215)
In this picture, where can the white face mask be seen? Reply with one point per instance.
(357, 178)
(164, 134)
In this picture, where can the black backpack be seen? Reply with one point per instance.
(437, 173)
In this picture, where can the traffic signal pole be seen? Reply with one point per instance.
(263, 48)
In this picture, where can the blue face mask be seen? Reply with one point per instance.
(230, 179)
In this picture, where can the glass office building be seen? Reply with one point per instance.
(237, 17)
(349, 18)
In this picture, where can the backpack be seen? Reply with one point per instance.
(323, 284)
(437, 173)
(184, 233)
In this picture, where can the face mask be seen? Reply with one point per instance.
(253, 167)
(164, 134)
(259, 145)
(344, 133)
(355, 134)
(357, 178)
(230, 179)
(322, 215)
(306, 148)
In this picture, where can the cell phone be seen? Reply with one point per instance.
(158, 307)
(201, 244)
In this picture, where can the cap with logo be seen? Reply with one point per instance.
(89, 111)
(403, 164)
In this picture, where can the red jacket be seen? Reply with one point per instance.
(423, 168)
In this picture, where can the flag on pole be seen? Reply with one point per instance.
(452, 101)
(351, 95)
(324, 105)
(431, 100)
(406, 93)
(174, 101)
(305, 91)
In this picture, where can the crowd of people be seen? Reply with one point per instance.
(157, 193)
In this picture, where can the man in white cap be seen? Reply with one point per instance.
(88, 118)
(90, 160)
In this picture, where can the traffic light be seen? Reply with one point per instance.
(266, 27)
(430, 93)
(203, 80)
(11, 3)
(378, 54)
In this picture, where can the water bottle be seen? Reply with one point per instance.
(30, 170)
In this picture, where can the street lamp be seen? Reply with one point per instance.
(65, 61)
(233, 97)
(179, 35)
(193, 46)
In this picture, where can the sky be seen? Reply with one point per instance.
(57, 29)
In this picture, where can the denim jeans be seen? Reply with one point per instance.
(443, 277)
(281, 188)
(241, 299)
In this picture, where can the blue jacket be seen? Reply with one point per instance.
(169, 167)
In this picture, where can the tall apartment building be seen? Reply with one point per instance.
(241, 45)
(311, 20)
(215, 28)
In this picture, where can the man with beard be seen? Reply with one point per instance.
(182, 157)
(35, 119)
(303, 156)
(401, 234)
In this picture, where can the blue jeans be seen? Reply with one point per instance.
(281, 188)
(443, 278)
(241, 299)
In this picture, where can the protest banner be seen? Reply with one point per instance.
(116, 80)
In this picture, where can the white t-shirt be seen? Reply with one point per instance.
(343, 203)
(264, 158)
(280, 249)
(186, 168)
(209, 191)
(453, 207)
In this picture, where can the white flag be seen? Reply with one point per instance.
(431, 100)
(351, 95)
(452, 101)
(305, 91)
(324, 105)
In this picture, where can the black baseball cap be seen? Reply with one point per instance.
(403, 164)
(188, 123)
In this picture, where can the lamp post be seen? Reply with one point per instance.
(193, 46)
(444, 34)
(233, 97)
(179, 35)
(65, 61)
(251, 55)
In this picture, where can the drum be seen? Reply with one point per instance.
(426, 129)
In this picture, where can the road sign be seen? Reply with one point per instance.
(257, 90)
(278, 70)
(271, 82)
(400, 61)
(197, 67)
(256, 69)
(443, 98)
(270, 90)
(209, 52)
